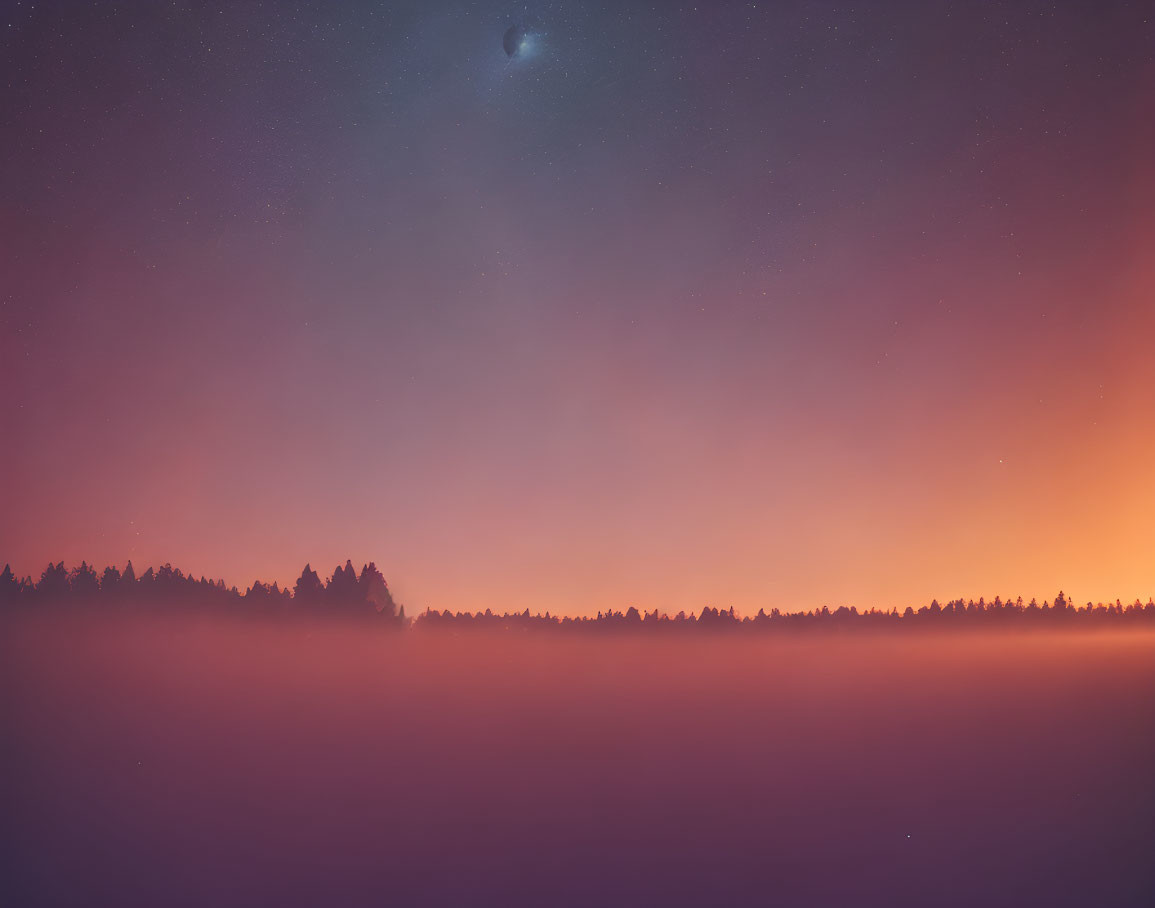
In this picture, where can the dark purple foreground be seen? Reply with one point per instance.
(191, 761)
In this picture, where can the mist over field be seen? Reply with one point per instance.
(202, 760)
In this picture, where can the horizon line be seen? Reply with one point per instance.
(56, 579)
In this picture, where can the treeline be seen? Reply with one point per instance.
(346, 593)
(956, 614)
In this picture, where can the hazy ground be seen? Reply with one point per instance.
(152, 762)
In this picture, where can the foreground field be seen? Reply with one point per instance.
(188, 761)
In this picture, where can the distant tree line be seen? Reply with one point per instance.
(956, 614)
(348, 593)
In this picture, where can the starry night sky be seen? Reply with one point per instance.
(773, 304)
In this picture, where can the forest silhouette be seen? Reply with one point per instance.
(346, 594)
(365, 595)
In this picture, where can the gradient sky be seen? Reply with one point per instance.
(774, 304)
